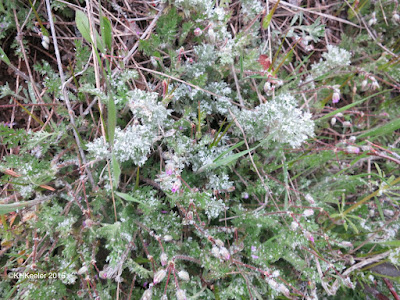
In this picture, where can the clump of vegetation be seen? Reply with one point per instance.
(199, 149)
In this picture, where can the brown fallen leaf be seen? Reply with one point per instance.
(14, 174)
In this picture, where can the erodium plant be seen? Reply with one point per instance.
(199, 150)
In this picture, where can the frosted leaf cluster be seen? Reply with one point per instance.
(205, 156)
(214, 208)
(65, 226)
(219, 183)
(335, 57)
(280, 119)
(170, 179)
(250, 9)
(206, 57)
(145, 107)
(92, 90)
(205, 6)
(134, 143)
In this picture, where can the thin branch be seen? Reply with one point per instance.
(65, 94)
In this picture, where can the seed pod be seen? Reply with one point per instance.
(163, 258)
(168, 238)
(184, 275)
(181, 295)
(224, 253)
(347, 124)
(219, 243)
(159, 276)
(198, 32)
(147, 295)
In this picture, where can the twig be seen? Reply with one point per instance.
(237, 85)
(251, 158)
(31, 80)
(335, 285)
(144, 35)
(308, 10)
(187, 83)
(65, 94)
(391, 288)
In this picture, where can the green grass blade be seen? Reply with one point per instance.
(350, 106)
(112, 119)
(106, 31)
(267, 19)
(381, 130)
(128, 198)
(116, 171)
(285, 58)
(7, 208)
(4, 57)
(218, 162)
(82, 22)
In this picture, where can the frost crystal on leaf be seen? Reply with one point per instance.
(145, 107)
(214, 208)
(134, 143)
(334, 58)
(280, 119)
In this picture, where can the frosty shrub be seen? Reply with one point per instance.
(197, 149)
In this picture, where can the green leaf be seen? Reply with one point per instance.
(106, 31)
(128, 197)
(186, 27)
(82, 22)
(112, 119)
(167, 25)
(224, 161)
(116, 171)
(267, 19)
(4, 57)
(382, 130)
(327, 116)
(7, 208)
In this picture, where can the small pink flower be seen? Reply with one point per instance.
(198, 32)
(335, 97)
(352, 149)
(175, 186)
(169, 169)
(309, 236)
(224, 253)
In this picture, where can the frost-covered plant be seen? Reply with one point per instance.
(279, 119)
(204, 171)
(131, 144)
(334, 58)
